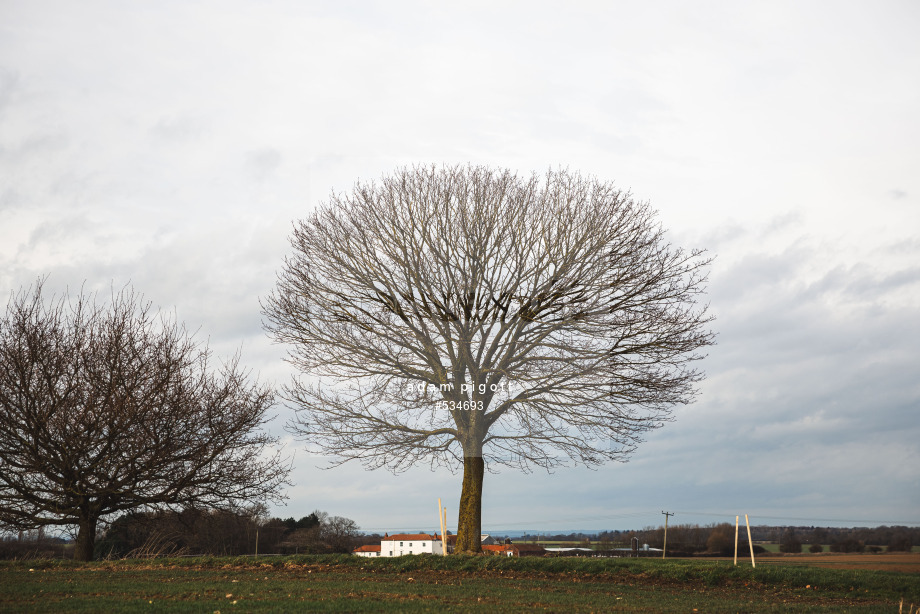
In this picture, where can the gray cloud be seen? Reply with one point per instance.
(812, 386)
(55, 234)
(263, 162)
(35, 145)
(863, 283)
(173, 147)
(9, 83)
(9, 198)
(178, 129)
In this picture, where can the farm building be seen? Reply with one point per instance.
(400, 544)
(410, 543)
(514, 549)
(367, 551)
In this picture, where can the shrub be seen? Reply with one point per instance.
(848, 545)
(721, 539)
(789, 542)
(900, 542)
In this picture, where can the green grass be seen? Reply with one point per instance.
(458, 584)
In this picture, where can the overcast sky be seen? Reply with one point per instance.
(173, 144)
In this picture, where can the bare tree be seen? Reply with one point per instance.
(468, 315)
(112, 408)
(339, 533)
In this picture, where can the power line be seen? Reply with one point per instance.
(805, 519)
(534, 524)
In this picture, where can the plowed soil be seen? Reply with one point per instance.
(884, 561)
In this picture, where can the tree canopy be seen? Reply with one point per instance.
(468, 315)
(108, 408)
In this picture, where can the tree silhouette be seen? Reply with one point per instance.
(105, 409)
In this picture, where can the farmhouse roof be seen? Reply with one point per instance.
(411, 537)
(367, 549)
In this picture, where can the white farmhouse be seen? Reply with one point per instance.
(401, 544)
(410, 543)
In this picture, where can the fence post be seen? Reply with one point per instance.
(750, 541)
(736, 540)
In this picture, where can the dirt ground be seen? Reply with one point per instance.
(883, 561)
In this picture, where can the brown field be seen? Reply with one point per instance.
(884, 561)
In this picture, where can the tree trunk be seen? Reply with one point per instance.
(469, 525)
(86, 539)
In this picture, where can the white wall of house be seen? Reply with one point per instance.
(402, 546)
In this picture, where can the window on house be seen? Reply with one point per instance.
(400, 544)
(378, 554)
(410, 544)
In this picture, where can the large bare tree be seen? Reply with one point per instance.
(466, 315)
(106, 408)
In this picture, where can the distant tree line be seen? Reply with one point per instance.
(34, 544)
(690, 539)
(230, 533)
(719, 539)
(223, 533)
(839, 539)
(193, 531)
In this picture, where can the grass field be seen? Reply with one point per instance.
(456, 584)
(769, 547)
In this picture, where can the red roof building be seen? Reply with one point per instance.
(514, 550)
(367, 551)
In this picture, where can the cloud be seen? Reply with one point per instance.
(9, 198)
(9, 84)
(173, 147)
(263, 162)
(179, 129)
(812, 383)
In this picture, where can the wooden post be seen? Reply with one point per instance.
(750, 543)
(736, 540)
(257, 542)
(441, 520)
(444, 537)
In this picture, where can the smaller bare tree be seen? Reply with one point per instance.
(105, 409)
(339, 533)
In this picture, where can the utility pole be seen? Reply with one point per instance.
(664, 549)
